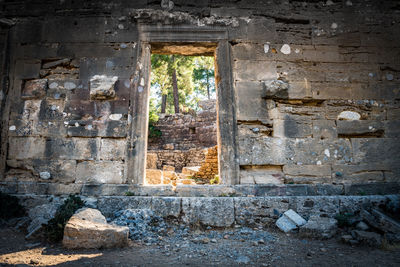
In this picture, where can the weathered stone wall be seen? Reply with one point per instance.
(186, 131)
(156, 159)
(299, 68)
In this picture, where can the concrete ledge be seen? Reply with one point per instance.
(200, 191)
(228, 211)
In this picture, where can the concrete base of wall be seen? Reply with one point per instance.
(228, 211)
(58, 189)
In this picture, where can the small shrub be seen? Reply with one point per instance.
(10, 207)
(215, 180)
(129, 193)
(344, 219)
(54, 229)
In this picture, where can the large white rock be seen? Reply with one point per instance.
(102, 87)
(88, 228)
(290, 220)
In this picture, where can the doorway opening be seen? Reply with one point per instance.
(182, 131)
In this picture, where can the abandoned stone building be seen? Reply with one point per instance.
(308, 104)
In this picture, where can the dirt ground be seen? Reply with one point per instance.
(283, 250)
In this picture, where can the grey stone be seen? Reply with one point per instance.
(285, 224)
(379, 220)
(319, 227)
(102, 87)
(275, 89)
(88, 228)
(55, 63)
(45, 175)
(290, 220)
(40, 215)
(349, 115)
(368, 238)
(362, 226)
(218, 212)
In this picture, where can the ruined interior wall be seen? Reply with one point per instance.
(329, 57)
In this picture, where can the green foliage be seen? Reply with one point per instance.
(10, 207)
(55, 227)
(193, 76)
(215, 180)
(344, 219)
(129, 193)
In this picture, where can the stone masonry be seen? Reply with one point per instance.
(308, 92)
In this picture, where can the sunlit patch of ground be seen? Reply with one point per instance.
(38, 257)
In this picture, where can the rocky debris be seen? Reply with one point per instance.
(380, 221)
(289, 221)
(154, 176)
(362, 226)
(102, 87)
(209, 168)
(277, 89)
(34, 89)
(368, 238)
(88, 228)
(40, 215)
(319, 227)
(143, 224)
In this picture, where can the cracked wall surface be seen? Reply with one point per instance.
(316, 86)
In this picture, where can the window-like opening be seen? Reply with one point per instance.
(182, 134)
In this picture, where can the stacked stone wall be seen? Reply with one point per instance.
(316, 86)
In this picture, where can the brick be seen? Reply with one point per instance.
(100, 172)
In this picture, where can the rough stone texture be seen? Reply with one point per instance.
(209, 167)
(218, 212)
(289, 221)
(88, 228)
(319, 227)
(154, 176)
(304, 93)
(102, 87)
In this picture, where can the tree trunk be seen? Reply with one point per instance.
(163, 103)
(175, 88)
(208, 86)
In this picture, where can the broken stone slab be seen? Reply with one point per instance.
(380, 221)
(102, 87)
(276, 89)
(368, 238)
(190, 171)
(34, 89)
(88, 228)
(56, 63)
(40, 215)
(290, 220)
(319, 227)
(154, 176)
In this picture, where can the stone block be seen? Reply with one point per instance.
(168, 168)
(72, 148)
(289, 221)
(275, 89)
(26, 148)
(319, 227)
(102, 87)
(324, 129)
(392, 128)
(56, 170)
(57, 189)
(249, 70)
(259, 210)
(34, 89)
(292, 128)
(261, 175)
(215, 212)
(359, 173)
(153, 176)
(100, 172)
(324, 206)
(108, 205)
(88, 228)
(372, 150)
(250, 105)
(307, 170)
(166, 206)
(265, 150)
(112, 149)
(27, 69)
(348, 128)
(190, 170)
